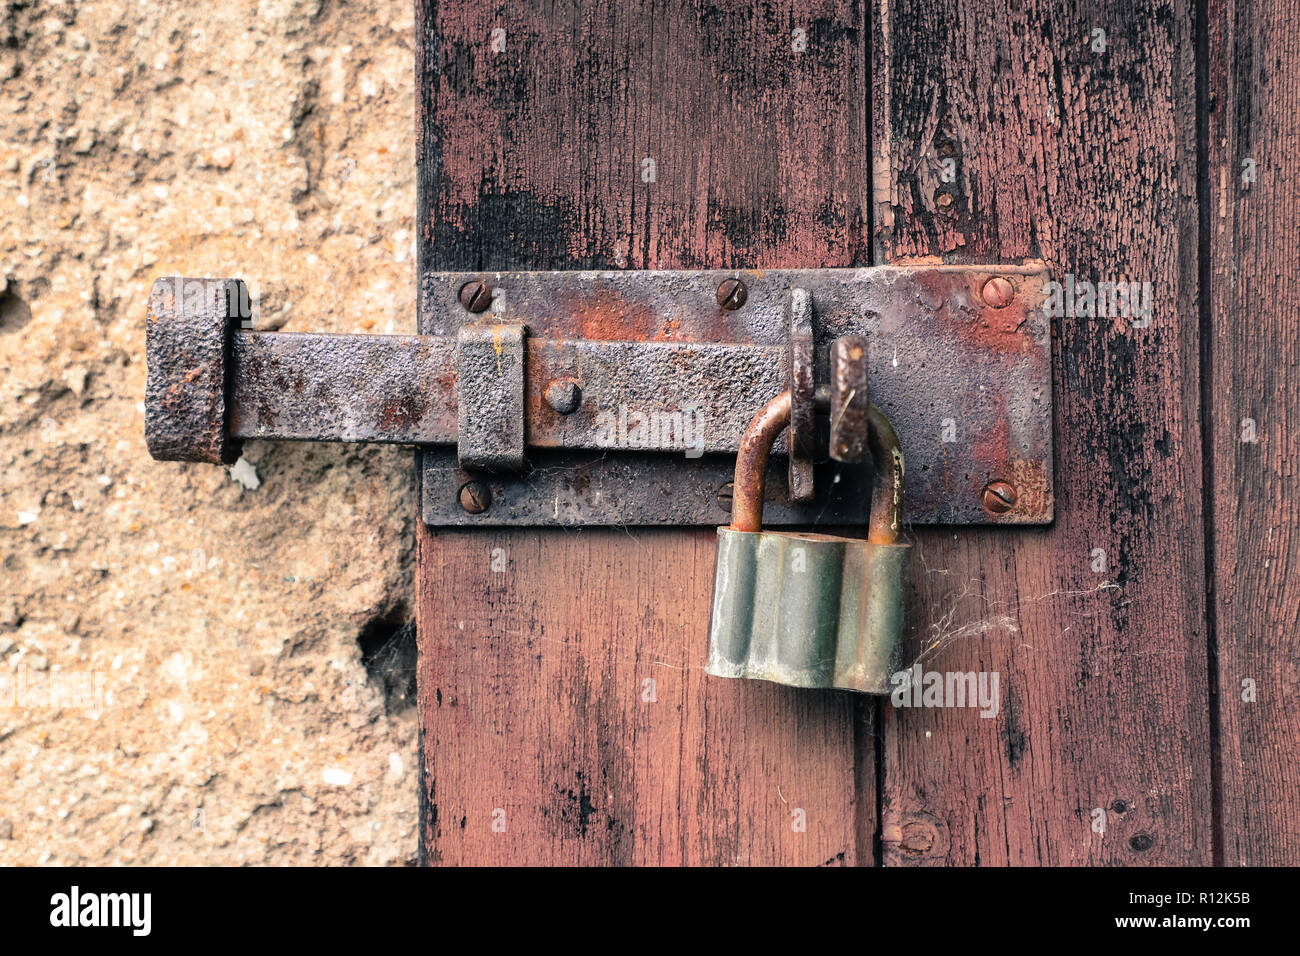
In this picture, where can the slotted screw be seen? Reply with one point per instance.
(732, 294)
(998, 292)
(476, 296)
(999, 497)
(475, 497)
(725, 495)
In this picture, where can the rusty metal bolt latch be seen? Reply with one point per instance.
(572, 398)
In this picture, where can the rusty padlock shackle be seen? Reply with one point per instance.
(751, 470)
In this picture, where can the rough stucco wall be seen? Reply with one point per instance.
(271, 140)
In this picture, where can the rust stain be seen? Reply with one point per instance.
(609, 317)
(497, 347)
(993, 446)
(1029, 477)
(446, 381)
(996, 331)
(399, 412)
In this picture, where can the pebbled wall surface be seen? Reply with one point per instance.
(202, 666)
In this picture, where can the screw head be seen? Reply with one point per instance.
(943, 199)
(998, 292)
(564, 395)
(475, 497)
(725, 494)
(476, 296)
(999, 497)
(732, 294)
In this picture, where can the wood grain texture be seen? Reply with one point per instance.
(533, 678)
(1254, 385)
(1086, 160)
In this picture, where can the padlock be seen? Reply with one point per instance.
(806, 609)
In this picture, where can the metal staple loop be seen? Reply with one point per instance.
(750, 482)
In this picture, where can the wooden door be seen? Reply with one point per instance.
(565, 714)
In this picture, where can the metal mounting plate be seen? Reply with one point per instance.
(966, 384)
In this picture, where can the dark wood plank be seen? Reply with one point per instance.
(1253, 384)
(532, 679)
(1087, 160)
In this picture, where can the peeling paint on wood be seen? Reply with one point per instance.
(1254, 389)
(698, 138)
(1100, 752)
(565, 714)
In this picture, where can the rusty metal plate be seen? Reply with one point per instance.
(966, 384)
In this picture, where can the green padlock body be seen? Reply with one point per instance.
(809, 610)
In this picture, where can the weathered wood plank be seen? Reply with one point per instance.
(1085, 158)
(637, 135)
(1253, 387)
